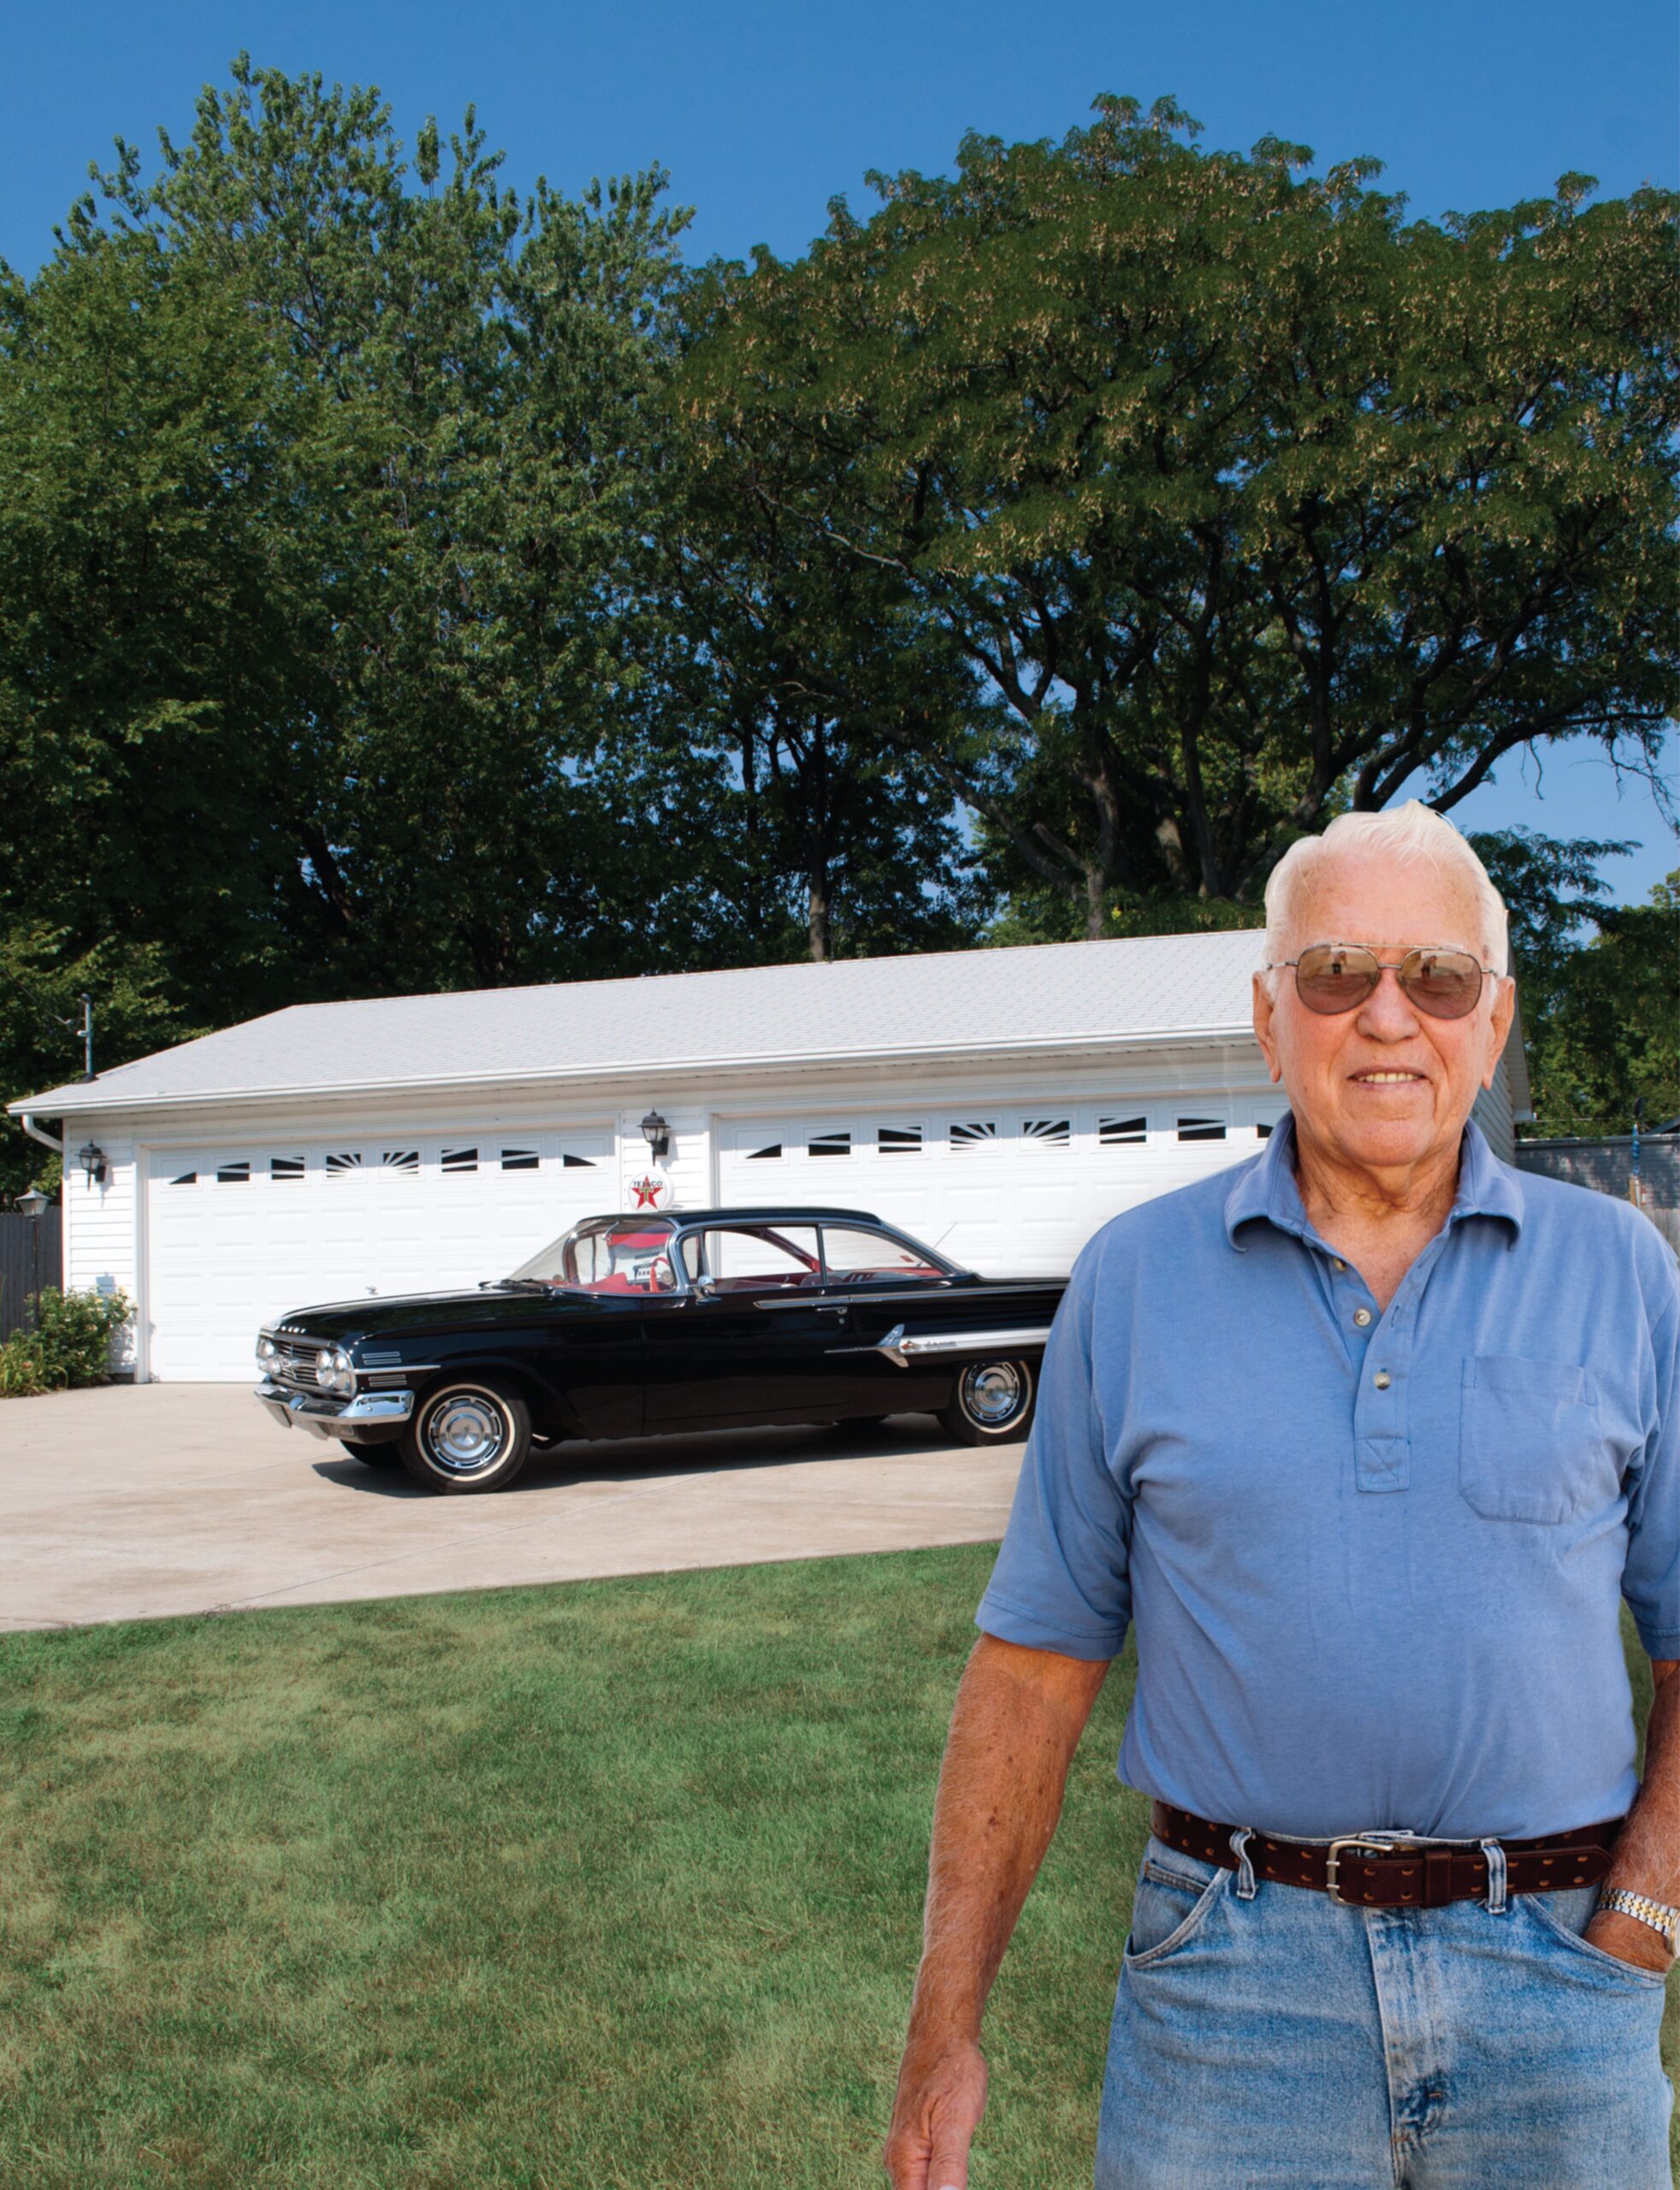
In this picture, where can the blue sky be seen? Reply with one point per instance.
(763, 112)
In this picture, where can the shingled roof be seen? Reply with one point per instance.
(1137, 993)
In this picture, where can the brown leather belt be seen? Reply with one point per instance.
(1388, 1870)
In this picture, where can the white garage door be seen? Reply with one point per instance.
(1004, 1189)
(237, 1236)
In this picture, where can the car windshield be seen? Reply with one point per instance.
(623, 1254)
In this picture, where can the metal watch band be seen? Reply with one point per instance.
(1644, 1910)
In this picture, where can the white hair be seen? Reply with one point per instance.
(1413, 834)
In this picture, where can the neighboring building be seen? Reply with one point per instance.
(999, 1104)
(1606, 1165)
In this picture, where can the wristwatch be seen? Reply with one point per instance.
(1641, 1906)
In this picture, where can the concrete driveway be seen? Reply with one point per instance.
(133, 1502)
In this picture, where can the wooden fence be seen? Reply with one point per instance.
(1606, 1165)
(31, 1255)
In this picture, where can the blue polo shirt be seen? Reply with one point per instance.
(1376, 1561)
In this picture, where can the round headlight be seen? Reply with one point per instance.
(344, 1373)
(266, 1349)
(325, 1370)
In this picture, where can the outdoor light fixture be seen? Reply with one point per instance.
(656, 1133)
(91, 1158)
(34, 1203)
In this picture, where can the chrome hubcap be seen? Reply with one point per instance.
(993, 1396)
(466, 1433)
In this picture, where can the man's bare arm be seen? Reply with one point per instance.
(1017, 1722)
(1647, 1855)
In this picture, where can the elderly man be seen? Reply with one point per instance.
(1369, 1436)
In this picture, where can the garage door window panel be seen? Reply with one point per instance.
(1047, 1132)
(968, 1135)
(1203, 1127)
(1122, 1129)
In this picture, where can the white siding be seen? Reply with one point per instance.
(687, 1165)
(1493, 1113)
(102, 1227)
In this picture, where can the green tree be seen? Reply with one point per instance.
(1238, 495)
(322, 482)
(832, 826)
(1604, 1024)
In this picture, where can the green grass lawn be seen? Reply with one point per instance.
(615, 1883)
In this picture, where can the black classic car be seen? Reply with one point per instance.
(635, 1326)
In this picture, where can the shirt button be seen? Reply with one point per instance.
(1382, 1380)
(1336, 1263)
(1361, 1317)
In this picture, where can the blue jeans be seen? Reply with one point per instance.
(1277, 2038)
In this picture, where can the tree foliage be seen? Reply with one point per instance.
(406, 584)
(1236, 494)
(1603, 1021)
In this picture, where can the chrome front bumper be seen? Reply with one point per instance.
(375, 1416)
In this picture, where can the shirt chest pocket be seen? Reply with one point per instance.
(1531, 1446)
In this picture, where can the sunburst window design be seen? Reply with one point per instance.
(838, 1143)
(570, 1163)
(1048, 1132)
(232, 1175)
(400, 1159)
(898, 1140)
(460, 1159)
(343, 1162)
(285, 1167)
(974, 1133)
(767, 1155)
(520, 1159)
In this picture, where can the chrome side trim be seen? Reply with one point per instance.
(837, 1296)
(903, 1347)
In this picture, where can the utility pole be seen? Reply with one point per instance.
(85, 1030)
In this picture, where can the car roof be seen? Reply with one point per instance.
(769, 1213)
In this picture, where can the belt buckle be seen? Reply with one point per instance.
(1368, 1843)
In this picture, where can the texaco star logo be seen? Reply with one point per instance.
(648, 1192)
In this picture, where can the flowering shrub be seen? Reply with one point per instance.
(69, 1345)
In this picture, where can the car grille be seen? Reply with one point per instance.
(293, 1361)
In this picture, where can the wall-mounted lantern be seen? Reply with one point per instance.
(91, 1158)
(656, 1133)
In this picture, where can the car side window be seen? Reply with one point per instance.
(755, 1259)
(853, 1255)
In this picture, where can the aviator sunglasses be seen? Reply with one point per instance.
(1332, 977)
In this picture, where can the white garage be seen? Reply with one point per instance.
(239, 1232)
(1000, 1104)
